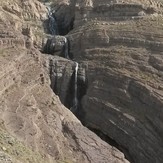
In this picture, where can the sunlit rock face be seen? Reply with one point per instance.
(104, 10)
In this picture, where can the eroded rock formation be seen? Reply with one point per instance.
(35, 126)
(120, 43)
(124, 95)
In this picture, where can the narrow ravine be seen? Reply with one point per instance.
(75, 103)
(50, 46)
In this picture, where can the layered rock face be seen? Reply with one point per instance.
(104, 10)
(123, 59)
(34, 125)
(118, 45)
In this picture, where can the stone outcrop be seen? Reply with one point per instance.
(56, 45)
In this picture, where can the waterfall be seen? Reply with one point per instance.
(50, 48)
(75, 99)
(53, 29)
(66, 55)
(52, 25)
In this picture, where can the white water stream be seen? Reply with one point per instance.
(75, 100)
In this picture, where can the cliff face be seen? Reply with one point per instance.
(123, 58)
(35, 126)
(118, 45)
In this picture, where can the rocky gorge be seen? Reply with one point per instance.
(100, 60)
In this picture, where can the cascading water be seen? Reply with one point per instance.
(50, 48)
(66, 55)
(75, 99)
(53, 29)
(78, 89)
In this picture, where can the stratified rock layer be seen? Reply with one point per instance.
(124, 99)
(120, 44)
(29, 110)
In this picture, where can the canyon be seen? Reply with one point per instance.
(81, 81)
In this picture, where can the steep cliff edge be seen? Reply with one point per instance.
(123, 58)
(119, 45)
(35, 126)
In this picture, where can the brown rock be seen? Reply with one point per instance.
(29, 109)
(123, 99)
